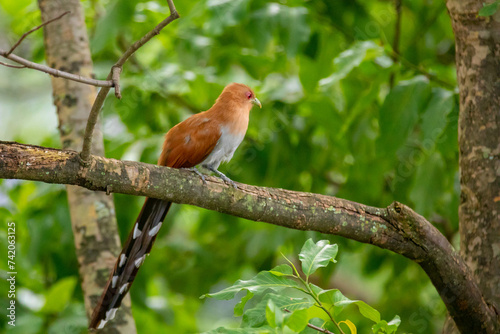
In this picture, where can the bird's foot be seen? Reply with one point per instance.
(193, 169)
(228, 180)
(224, 177)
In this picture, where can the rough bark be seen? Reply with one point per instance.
(396, 228)
(93, 221)
(478, 71)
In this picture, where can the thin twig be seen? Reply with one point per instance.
(414, 67)
(162, 91)
(49, 70)
(423, 71)
(319, 329)
(10, 65)
(397, 34)
(101, 96)
(32, 30)
(53, 71)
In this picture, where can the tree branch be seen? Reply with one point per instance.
(114, 76)
(12, 66)
(32, 30)
(53, 71)
(396, 228)
(49, 70)
(319, 329)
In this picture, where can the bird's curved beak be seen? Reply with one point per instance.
(257, 102)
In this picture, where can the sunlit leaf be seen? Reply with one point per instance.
(314, 256)
(350, 59)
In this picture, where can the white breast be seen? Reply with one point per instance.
(224, 149)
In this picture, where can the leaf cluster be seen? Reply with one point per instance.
(279, 312)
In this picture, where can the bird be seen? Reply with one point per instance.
(205, 139)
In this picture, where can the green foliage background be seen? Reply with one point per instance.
(331, 123)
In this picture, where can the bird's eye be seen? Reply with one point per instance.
(249, 95)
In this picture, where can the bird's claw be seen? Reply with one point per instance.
(203, 179)
(193, 169)
(231, 182)
(222, 176)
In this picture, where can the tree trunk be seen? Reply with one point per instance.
(93, 221)
(478, 70)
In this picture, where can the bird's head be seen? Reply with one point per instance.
(240, 94)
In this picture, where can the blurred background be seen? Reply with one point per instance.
(342, 115)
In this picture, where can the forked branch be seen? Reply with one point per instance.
(24, 63)
(114, 75)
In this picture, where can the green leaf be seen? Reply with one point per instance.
(350, 59)
(336, 299)
(238, 309)
(256, 316)
(298, 320)
(434, 119)
(225, 13)
(285, 24)
(333, 300)
(316, 289)
(428, 184)
(393, 325)
(399, 114)
(317, 255)
(274, 316)
(59, 295)
(387, 328)
(117, 17)
(260, 283)
(282, 270)
(489, 9)
(315, 312)
(297, 28)
(367, 311)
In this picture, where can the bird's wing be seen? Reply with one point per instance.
(189, 143)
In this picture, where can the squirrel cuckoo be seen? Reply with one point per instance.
(205, 139)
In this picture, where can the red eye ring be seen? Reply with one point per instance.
(249, 95)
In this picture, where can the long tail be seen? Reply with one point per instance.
(138, 245)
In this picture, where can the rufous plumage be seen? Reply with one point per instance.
(206, 139)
